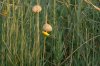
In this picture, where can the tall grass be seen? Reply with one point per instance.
(74, 40)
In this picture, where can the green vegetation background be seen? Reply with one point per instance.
(74, 41)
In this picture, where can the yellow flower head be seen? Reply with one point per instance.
(45, 33)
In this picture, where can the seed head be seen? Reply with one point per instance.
(36, 8)
(47, 27)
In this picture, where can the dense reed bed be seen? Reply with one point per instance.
(73, 40)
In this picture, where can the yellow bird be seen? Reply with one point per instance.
(45, 33)
(4, 13)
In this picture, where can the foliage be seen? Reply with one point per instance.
(74, 40)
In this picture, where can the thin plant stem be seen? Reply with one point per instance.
(79, 48)
(44, 51)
